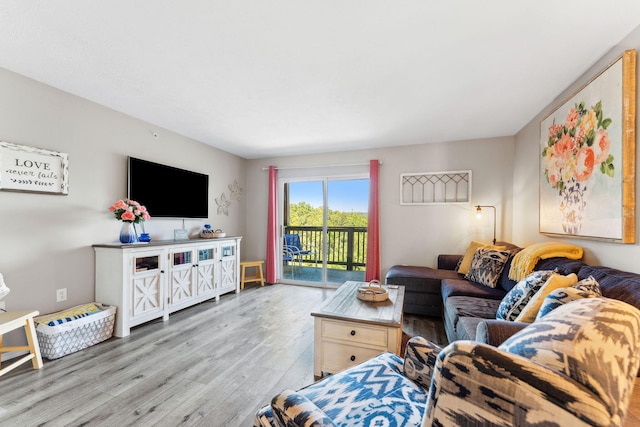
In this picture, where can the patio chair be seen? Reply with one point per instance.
(288, 256)
(293, 247)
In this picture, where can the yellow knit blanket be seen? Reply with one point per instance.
(524, 261)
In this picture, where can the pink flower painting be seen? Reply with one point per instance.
(586, 155)
(575, 147)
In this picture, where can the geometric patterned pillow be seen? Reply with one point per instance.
(465, 263)
(518, 297)
(562, 296)
(486, 266)
(589, 284)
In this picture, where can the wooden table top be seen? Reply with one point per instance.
(345, 305)
(11, 320)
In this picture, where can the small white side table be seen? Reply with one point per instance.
(21, 319)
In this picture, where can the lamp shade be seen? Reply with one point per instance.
(4, 289)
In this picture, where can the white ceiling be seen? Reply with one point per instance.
(268, 78)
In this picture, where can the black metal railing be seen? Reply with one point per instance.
(347, 246)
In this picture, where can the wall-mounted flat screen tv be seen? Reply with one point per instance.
(168, 192)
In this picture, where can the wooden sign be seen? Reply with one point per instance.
(24, 168)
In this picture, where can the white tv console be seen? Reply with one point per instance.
(151, 280)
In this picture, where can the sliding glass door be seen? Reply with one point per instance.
(324, 230)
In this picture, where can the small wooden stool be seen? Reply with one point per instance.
(258, 277)
(21, 319)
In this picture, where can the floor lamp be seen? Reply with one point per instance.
(479, 215)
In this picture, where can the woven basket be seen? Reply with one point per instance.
(373, 292)
(212, 234)
(60, 340)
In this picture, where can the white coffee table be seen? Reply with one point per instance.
(349, 331)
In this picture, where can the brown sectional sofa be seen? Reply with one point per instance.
(464, 305)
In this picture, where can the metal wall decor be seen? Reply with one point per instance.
(428, 188)
(235, 191)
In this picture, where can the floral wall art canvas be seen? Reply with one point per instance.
(587, 159)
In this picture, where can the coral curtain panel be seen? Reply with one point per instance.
(272, 228)
(373, 228)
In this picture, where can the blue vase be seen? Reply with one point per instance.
(128, 233)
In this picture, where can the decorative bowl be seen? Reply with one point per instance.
(373, 292)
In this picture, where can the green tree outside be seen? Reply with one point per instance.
(305, 215)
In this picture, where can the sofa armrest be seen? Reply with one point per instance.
(494, 331)
(478, 384)
(448, 262)
(420, 360)
(293, 409)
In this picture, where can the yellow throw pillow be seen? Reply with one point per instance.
(556, 281)
(465, 264)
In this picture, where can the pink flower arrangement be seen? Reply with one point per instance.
(574, 149)
(129, 211)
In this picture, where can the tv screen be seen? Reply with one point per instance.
(168, 192)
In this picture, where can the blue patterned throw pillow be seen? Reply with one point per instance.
(586, 288)
(486, 266)
(518, 297)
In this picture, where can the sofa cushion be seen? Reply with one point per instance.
(518, 297)
(556, 281)
(422, 287)
(412, 275)
(467, 327)
(617, 284)
(375, 390)
(494, 332)
(457, 307)
(449, 261)
(561, 265)
(504, 282)
(465, 263)
(462, 287)
(486, 266)
(592, 341)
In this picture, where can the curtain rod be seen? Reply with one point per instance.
(324, 166)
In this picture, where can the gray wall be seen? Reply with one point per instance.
(45, 240)
(525, 195)
(411, 234)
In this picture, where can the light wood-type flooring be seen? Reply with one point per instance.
(213, 364)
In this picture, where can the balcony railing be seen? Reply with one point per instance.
(347, 246)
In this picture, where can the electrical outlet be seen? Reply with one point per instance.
(61, 295)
